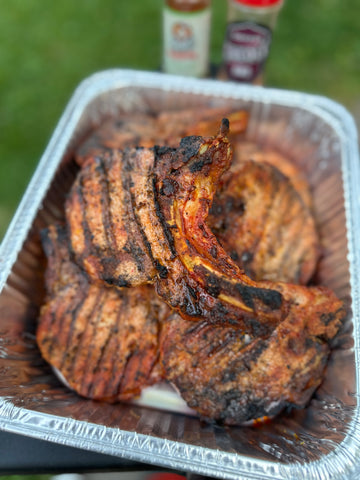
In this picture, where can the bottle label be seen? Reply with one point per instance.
(245, 50)
(186, 42)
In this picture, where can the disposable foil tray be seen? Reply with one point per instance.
(321, 441)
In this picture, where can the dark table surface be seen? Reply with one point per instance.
(26, 455)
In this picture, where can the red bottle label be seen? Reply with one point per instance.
(245, 51)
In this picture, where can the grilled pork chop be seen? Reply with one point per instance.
(103, 341)
(202, 280)
(232, 377)
(262, 222)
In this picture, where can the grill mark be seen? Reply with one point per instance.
(78, 349)
(115, 374)
(74, 314)
(277, 182)
(135, 358)
(269, 206)
(188, 305)
(160, 215)
(275, 227)
(52, 322)
(135, 250)
(58, 321)
(117, 388)
(217, 348)
(141, 229)
(137, 253)
(84, 223)
(105, 203)
(252, 352)
(160, 268)
(215, 285)
(271, 298)
(293, 249)
(117, 383)
(297, 247)
(52, 244)
(162, 220)
(89, 365)
(98, 365)
(196, 327)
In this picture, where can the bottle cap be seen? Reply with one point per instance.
(259, 3)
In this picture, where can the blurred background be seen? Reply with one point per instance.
(48, 48)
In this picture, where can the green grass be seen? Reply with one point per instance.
(47, 48)
(316, 49)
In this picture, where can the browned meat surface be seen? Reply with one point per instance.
(262, 222)
(231, 377)
(103, 341)
(244, 151)
(202, 122)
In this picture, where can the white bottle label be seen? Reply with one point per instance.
(186, 42)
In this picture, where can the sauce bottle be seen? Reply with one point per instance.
(186, 37)
(250, 24)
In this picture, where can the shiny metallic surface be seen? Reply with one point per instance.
(320, 441)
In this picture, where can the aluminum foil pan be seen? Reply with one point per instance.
(320, 441)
